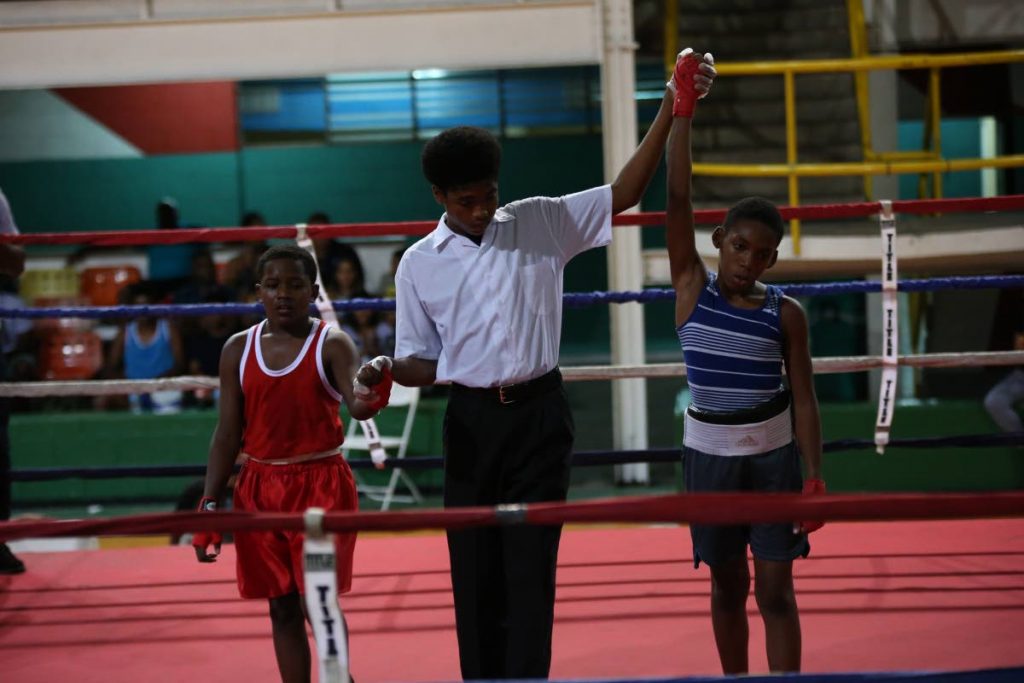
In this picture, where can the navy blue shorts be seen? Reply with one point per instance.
(774, 471)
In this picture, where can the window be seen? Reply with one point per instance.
(411, 105)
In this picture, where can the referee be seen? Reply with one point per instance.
(479, 305)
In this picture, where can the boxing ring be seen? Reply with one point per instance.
(893, 596)
(898, 586)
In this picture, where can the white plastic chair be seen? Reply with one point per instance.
(395, 445)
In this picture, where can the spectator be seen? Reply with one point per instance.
(347, 279)
(238, 274)
(386, 319)
(202, 282)
(203, 345)
(1002, 399)
(169, 264)
(330, 251)
(147, 348)
(362, 326)
(387, 280)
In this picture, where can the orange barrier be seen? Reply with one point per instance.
(68, 354)
(102, 285)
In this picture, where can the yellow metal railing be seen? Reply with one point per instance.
(931, 145)
(852, 168)
(927, 161)
(858, 50)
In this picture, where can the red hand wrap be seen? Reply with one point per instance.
(382, 390)
(812, 487)
(687, 67)
(204, 539)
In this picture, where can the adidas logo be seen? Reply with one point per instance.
(747, 440)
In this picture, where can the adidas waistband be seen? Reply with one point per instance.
(748, 439)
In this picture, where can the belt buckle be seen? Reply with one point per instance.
(501, 395)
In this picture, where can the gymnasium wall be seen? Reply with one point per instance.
(123, 440)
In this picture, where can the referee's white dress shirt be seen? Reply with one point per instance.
(492, 314)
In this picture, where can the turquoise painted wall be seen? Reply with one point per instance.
(354, 182)
(121, 194)
(961, 139)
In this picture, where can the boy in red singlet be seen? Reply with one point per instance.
(281, 384)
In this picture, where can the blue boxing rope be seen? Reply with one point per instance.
(572, 299)
(578, 300)
(580, 459)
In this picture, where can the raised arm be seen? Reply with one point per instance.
(687, 270)
(631, 183)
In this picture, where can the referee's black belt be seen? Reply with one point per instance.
(508, 394)
(776, 405)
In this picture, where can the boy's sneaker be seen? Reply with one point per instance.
(9, 564)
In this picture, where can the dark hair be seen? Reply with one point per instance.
(145, 288)
(357, 266)
(167, 214)
(461, 156)
(318, 218)
(757, 209)
(287, 251)
(253, 218)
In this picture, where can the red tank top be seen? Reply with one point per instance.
(292, 411)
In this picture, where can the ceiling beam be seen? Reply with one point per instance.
(515, 35)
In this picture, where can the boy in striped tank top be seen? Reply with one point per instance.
(281, 384)
(744, 430)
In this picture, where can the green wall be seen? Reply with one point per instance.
(120, 194)
(352, 182)
(122, 439)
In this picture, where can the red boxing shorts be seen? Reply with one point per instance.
(269, 563)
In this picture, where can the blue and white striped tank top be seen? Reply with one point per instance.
(733, 355)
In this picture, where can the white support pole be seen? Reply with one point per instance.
(625, 266)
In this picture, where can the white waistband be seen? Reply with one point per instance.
(306, 457)
(748, 439)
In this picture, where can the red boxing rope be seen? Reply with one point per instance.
(703, 508)
(132, 238)
(1010, 202)
(418, 228)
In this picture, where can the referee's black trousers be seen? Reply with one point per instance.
(503, 578)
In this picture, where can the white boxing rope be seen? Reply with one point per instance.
(323, 304)
(578, 373)
(321, 579)
(890, 327)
